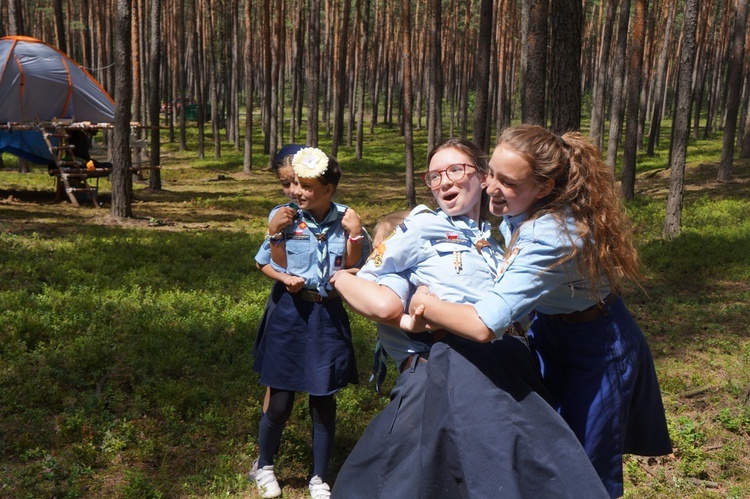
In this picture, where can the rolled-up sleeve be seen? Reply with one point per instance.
(529, 274)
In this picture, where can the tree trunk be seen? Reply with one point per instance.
(434, 134)
(154, 179)
(275, 86)
(734, 84)
(267, 78)
(313, 81)
(534, 60)
(627, 187)
(411, 197)
(121, 179)
(598, 104)
(565, 79)
(15, 18)
(615, 120)
(363, 80)
(482, 100)
(247, 164)
(681, 122)
(339, 80)
(745, 152)
(660, 82)
(59, 25)
(647, 68)
(181, 74)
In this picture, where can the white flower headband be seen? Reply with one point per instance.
(310, 162)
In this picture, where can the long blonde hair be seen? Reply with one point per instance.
(584, 185)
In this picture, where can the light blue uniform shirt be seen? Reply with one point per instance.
(433, 249)
(530, 280)
(301, 246)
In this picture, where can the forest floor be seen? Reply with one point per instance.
(693, 307)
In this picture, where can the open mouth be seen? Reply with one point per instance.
(450, 196)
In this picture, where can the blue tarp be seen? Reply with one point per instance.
(26, 144)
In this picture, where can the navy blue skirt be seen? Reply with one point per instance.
(304, 346)
(603, 382)
(385, 462)
(489, 431)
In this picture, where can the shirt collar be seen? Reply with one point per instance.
(331, 216)
(513, 221)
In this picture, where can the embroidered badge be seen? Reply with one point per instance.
(302, 225)
(337, 261)
(377, 255)
(451, 237)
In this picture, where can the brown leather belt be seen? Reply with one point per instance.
(594, 312)
(314, 296)
(421, 358)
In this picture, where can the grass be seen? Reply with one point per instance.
(125, 345)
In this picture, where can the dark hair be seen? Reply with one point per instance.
(285, 155)
(332, 175)
(478, 159)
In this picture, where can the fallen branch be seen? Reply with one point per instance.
(697, 391)
(704, 483)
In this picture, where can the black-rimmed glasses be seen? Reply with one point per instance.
(454, 172)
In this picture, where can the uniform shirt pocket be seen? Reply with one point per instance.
(463, 259)
(299, 254)
(336, 253)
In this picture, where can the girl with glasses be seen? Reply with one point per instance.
(568, 247)
(515, 444)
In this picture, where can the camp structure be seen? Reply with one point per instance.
(44, 95)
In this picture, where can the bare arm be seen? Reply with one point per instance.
(353, 226)
(293, 283)
(283, 217)
(460, 319)
(367, 298)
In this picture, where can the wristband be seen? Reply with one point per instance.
(357, 239)
(276, 237)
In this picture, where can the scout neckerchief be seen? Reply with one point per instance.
(479, 237)
(320, 231)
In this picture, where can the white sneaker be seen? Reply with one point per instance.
(319, 489)
(265, 480)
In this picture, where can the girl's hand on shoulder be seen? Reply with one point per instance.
(293, 283)
(283, 217)
(351, 222)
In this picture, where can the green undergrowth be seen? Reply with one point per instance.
(126, 346)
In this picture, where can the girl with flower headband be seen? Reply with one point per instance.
(568, 246)
(512, 443)
(305, 344)
(282, 166)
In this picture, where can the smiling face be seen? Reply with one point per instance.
(462, 197)
(286, 177)
(312, 195)
(511, 184)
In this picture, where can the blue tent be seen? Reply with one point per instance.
(38, 84)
